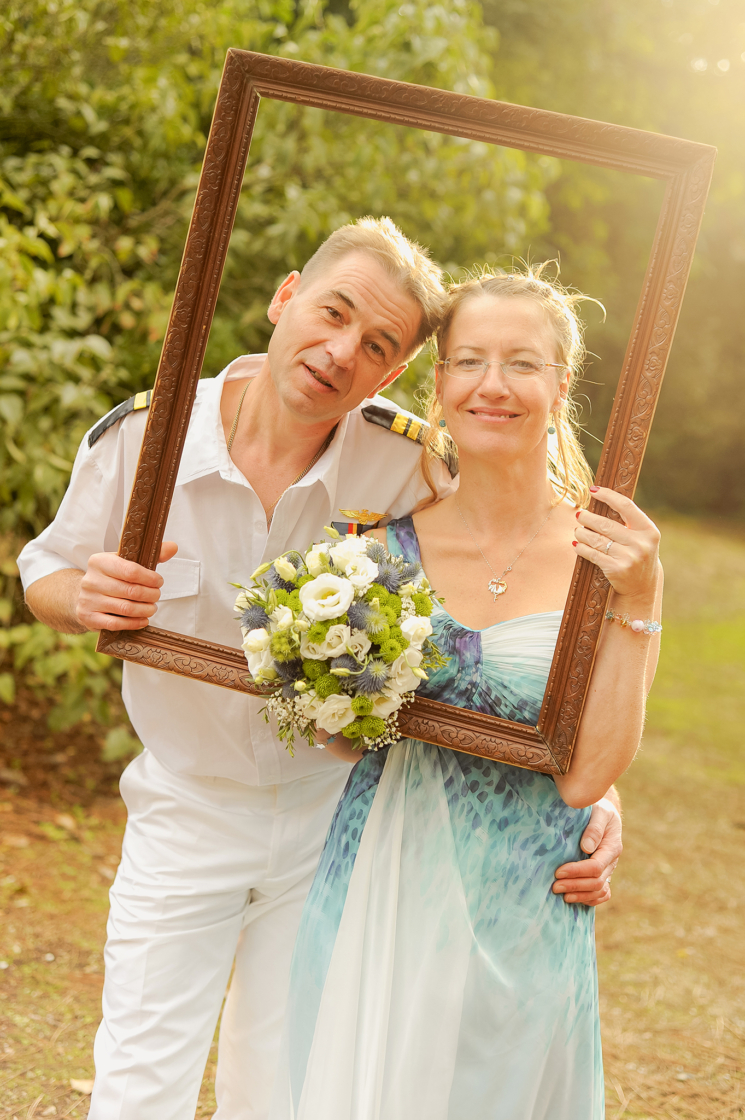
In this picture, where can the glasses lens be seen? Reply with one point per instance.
(520, 368)
(465, 367)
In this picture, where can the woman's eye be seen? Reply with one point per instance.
(523, 366)
(468, 363)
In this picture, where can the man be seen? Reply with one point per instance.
(225, 829)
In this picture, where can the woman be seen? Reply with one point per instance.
(436, 975)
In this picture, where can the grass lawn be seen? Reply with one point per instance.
(670, 944)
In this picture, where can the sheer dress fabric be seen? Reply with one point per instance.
(435, 973)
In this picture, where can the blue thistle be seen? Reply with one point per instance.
(275, 580)
(288, 691)
(375, 550)
(254, 617)
(373, 677)
(389, 575)
(346, 661)
(289, 670)
(358, 614)
(411, 570)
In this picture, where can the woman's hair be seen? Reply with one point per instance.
(568, 469)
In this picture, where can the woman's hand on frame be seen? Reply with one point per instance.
(627, 551)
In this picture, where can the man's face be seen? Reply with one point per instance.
(339, 337)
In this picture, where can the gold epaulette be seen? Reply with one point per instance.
(405, 424)
(134, 404)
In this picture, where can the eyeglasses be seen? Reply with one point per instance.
(519, 369)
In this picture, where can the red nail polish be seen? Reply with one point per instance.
(594, 489)
(577, 515)
(574, 543)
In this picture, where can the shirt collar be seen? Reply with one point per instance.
(205, 449)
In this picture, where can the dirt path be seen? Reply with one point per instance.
(670, 944)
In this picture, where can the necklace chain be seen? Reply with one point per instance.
(497, 585)
(324, 447)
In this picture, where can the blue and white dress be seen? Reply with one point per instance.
(436, 976)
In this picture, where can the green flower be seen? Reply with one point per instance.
(318, 631)
(377, 591)
(390, 615)
(327, 685)
(282, 646)
(352, 730)
(293, 601)
(305, 579)
(313, 670)
(361, 706)
(398, 636)
(393, 602)
(389, 651)
(423, 603)
(282, 597)
(372, 727)
(377, 626)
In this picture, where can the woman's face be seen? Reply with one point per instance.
(495, 414)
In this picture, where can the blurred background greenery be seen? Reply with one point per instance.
(104, 111)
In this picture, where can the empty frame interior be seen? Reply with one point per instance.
(684, 169)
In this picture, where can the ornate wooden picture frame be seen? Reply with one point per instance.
(685, 168)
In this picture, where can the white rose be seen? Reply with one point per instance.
(326, 596)
(402, 679)
(242, 601)
(346, 552)
(335, 713)
(362, 572)
(358, 644)
(385, 703)
(334, 644)
(261, 666)
(282, 618)
(314, 561)
(309, 705)
(256, 640)
(284, 569)
(417, 629)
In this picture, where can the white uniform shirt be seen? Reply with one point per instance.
(219, 525)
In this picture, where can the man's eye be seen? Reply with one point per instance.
(333, 312)
(378, 351)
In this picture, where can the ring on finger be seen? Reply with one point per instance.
(607, 547)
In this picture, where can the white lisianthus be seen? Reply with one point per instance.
(346, 552)
(261, 666)
(402, 678)
(335, 713)
(256, 641)
(285, 570)
(314, 558)
(385, 703)
(327, 596)
(417, 629)
(358, 644)
(282, 618)
(362, 572)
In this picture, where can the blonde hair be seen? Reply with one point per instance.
(568, 469)
(405, 262)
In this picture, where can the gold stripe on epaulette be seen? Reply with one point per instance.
(414, 429)
(400, 422)
(142, 400)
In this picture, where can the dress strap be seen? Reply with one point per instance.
(401, 539)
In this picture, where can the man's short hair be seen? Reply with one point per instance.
(407, 263)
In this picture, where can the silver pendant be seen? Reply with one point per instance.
(497, 587)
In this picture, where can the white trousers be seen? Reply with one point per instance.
(212, 871)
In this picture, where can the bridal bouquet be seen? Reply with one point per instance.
(342, 634)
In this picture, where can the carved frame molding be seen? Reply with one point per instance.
(686, 167)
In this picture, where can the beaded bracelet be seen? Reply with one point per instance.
(638, 625)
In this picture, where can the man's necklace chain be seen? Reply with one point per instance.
(324, 447)
(498, 585)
